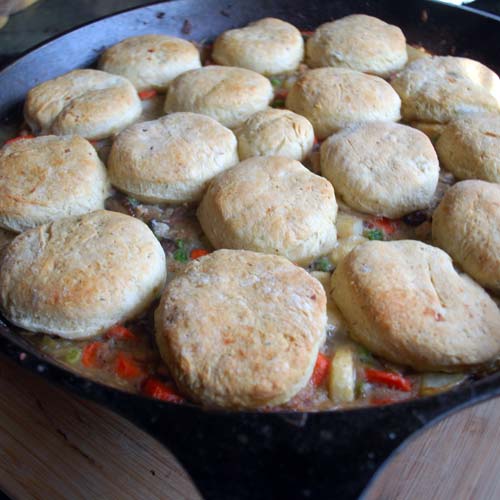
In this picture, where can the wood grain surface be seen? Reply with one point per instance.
(54, 445)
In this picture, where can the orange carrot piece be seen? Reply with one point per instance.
(385, 224)
(144, 95)
(392, 380)
(382, 401)
(119, 332)
(321, 369)
(159, 390)
(89, 354)
(126, 367)
(196, 253)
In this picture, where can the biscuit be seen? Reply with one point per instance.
(440, 88)
(241, 329)
(171, 160)
(272, 205)
(275, 132)
(268, 46)
(358, 42)
(333, 98)
(76, 277)
(150, 61)
(469, 147)
(381, 168)
(466, 224)
(47, 178)
(230, 95)
(404, 301)
(85, 102)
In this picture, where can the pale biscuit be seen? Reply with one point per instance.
(150, 61)
(271, 205)
(333, 98)
(275, 132)
(381, 168)
(440, 88)
(171, 160)
(47, 178)
(466, 224)
(241, 329)
(85, 102)
(359, 42)
(78, 276)
(469, 147)
(268, 46)
(230, 95)
(404, 301)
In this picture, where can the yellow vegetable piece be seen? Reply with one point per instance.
(342, 381)
(348, 225)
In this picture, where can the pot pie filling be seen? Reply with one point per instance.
(345, 373)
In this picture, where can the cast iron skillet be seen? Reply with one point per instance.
(258, 455)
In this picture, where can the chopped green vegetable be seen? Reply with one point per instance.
(133, 201)
(181, 255)
(73, 356)
(323, 264)
(48, 343)
(360, 389)
(365, 356)
(278, 103)
(275, 82)
(375, 234)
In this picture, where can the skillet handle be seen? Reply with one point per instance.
(296, 456)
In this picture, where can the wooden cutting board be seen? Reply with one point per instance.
(54, 445)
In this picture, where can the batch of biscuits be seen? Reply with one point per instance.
(346, 186)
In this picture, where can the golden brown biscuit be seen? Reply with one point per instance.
(469, 147)
(275, 132)
(47, 178)
(241, 329)
(268, 46)
(438, 89)
(359, 42)
(333, 98)
(171, 160)
(272, 205)
(466, 224)
(230, 95)
(404, 301)
(381, 168)
(85, 102)
(78, 276)
(150, 61)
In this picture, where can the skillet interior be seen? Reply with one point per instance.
(324, 451)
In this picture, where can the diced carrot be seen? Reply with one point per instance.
(144, 95)
(196, 253)
(126, 367)
(316, 141)
(321, 369)
(119, 332)
(393, 380)
(382, 401)
(159, 390)
(19, 138)
(385, 224)
(306, 33)
(89, 354)
(281, 94)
